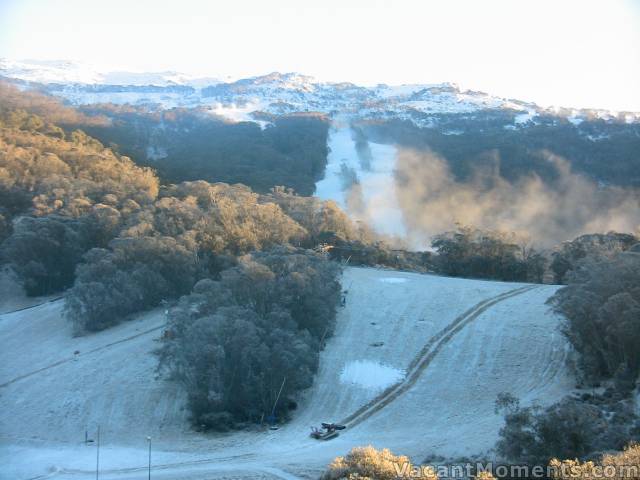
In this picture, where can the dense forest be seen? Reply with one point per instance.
(193, 144)
(604, 151)
(243, 345)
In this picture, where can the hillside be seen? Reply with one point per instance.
(573, 171)
(446, 342)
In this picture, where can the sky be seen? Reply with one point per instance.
(580, 53)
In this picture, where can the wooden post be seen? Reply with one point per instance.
(98, 454)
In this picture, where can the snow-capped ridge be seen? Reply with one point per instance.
(278, 93)
(290, 80)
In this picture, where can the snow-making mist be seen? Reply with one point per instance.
(413, 195)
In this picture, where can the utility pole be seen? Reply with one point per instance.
(98, 454)
(149, 440)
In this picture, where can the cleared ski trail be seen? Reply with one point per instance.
(424, 357)
(455, 344)
(79, 355)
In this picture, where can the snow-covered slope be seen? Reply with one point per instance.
(415, 365)
(365, 188)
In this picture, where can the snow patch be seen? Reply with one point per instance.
(575, 120)
(525, 117)
(393, 280)
(370, 375)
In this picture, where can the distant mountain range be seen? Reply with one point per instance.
(276, 93)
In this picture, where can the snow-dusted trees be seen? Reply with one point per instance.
(133, 275)
(532, 435)
(602, 306)
(63, 193)
(368, 463)
(233, 219)
(59, 196)
(45, 251)
(615, 466)
(569, 254)
(474, 253)
(234, 343)
(167, 246)
(319, 218)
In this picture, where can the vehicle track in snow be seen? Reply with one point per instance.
(22, 309)
(80, 355)
(426, 355)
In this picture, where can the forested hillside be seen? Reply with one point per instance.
(64, 189)
(192, 144)
(602, 150)
(78, 217)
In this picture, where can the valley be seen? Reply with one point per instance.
(197, 272)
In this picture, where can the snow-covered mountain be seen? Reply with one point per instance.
(275, 93)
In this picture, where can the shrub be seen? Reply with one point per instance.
(534, 436)
(617, 466)
(367, 463)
